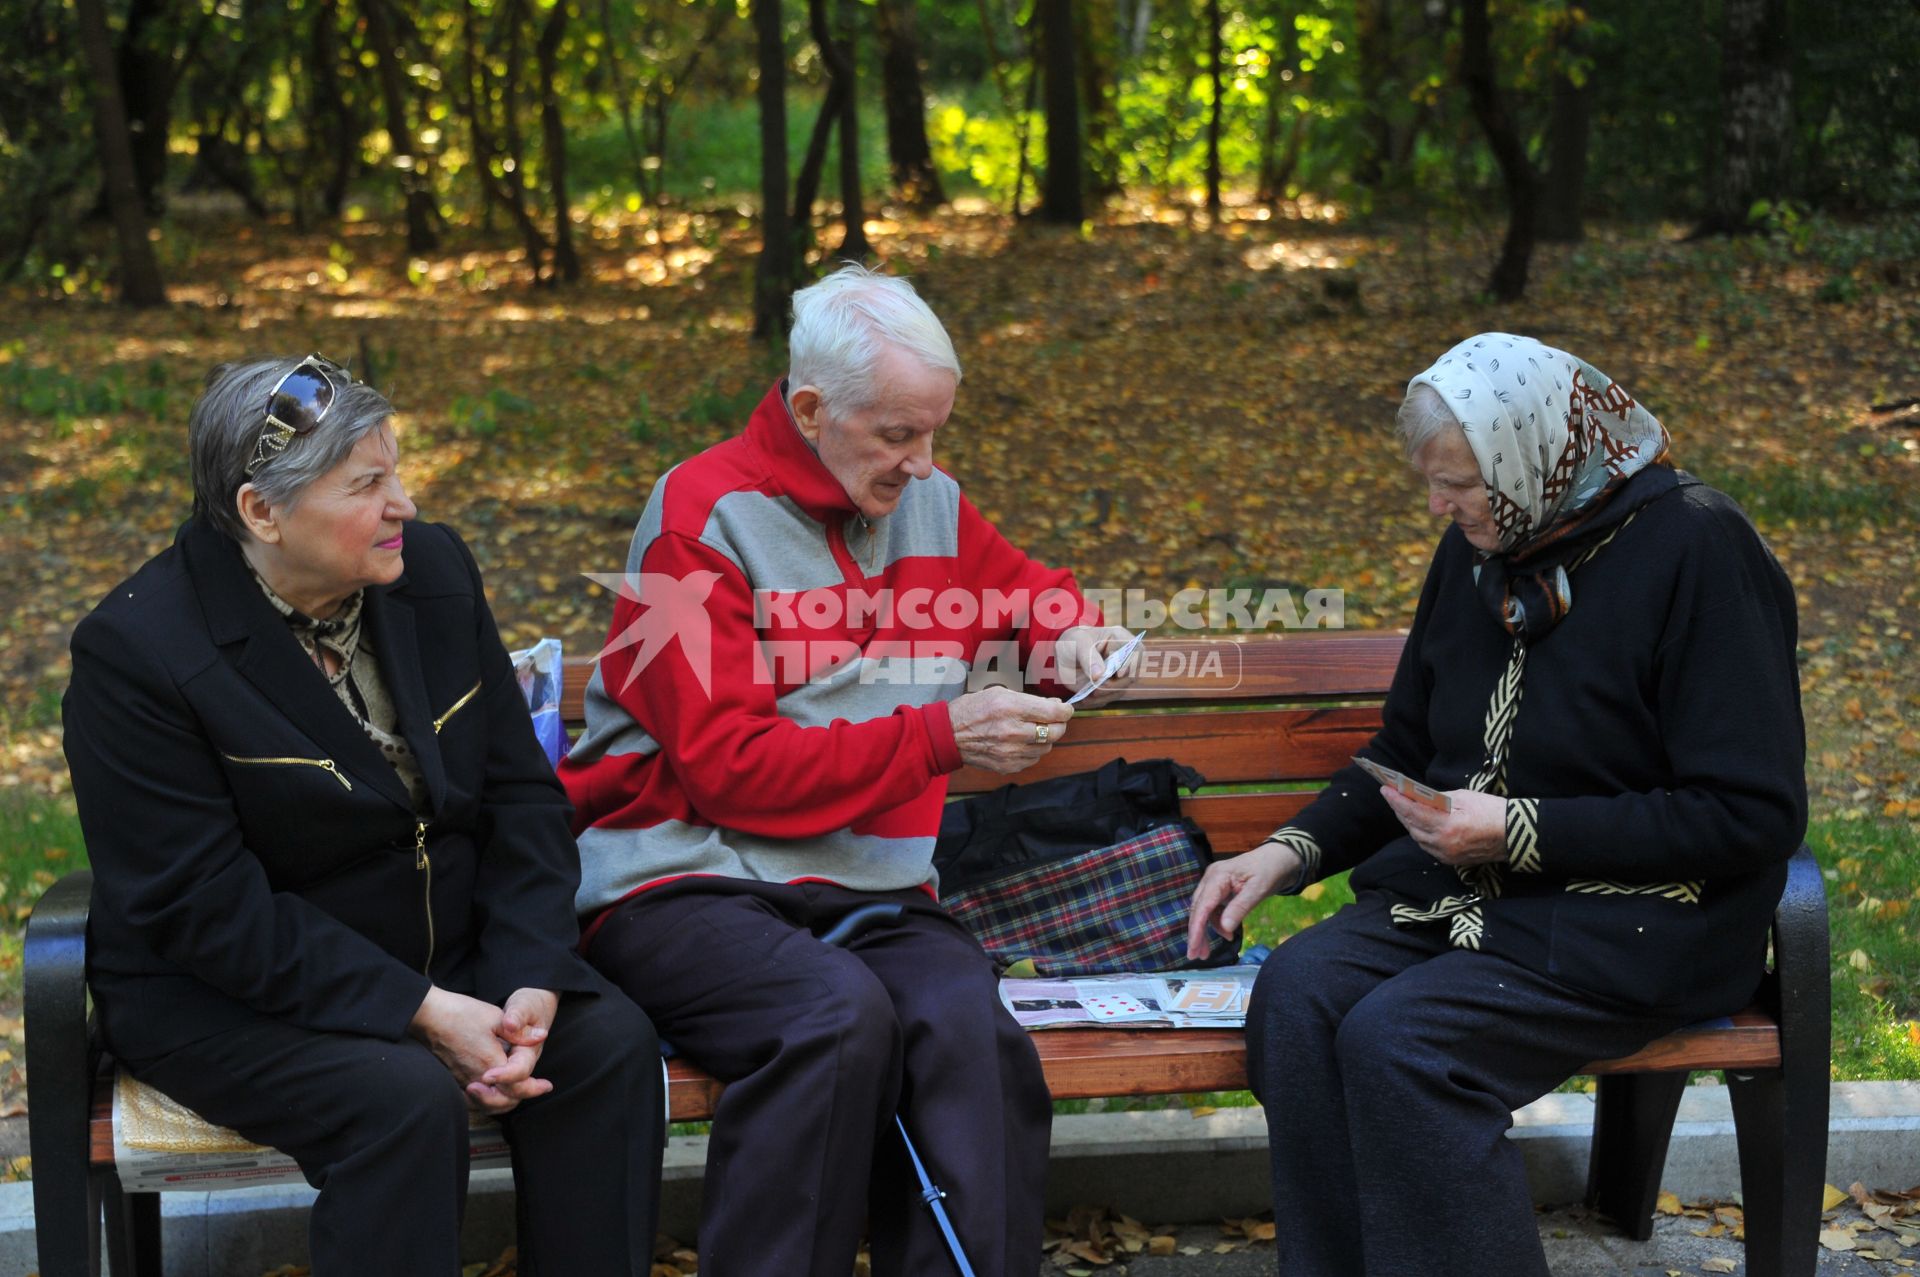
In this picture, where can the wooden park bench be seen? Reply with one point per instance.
(1265, 722)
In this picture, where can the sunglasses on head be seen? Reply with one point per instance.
(295, 407)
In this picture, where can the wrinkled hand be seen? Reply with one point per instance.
(1081, 654)
(994, 728)
(525, 1021)
(1232, 886)
(465, 1035)
(1473, 833)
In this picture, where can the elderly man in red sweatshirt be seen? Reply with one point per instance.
(769, 736)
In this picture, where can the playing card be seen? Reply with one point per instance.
(1407, 785)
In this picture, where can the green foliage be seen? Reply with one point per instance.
(44, 157)
(1360, 105)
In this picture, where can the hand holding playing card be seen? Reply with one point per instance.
(1474, 832)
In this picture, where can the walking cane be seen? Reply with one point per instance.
(856, 923)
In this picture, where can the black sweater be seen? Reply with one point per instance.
(1659, 732)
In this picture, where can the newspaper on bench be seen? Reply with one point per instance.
(160, 1145)
(1215, 999)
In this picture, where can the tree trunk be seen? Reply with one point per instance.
(843, 62)
(908, 155)
(506, 189)
(554, 129)
(1373, 31)
(147, 79)
(1214, 54)
(1065, 202)
(139, 273)
(806, 184)
(1509, 279)
(1756, 105)
(332, 119)
(393, 86)
(1096, 38)
(774, 275)
(1564, 191)
(1276, 174)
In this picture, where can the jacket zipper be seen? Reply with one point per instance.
(324, 764)
(455, 708)
(424, 863)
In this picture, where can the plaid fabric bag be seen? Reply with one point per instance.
(1118, 908)
(1082, 874)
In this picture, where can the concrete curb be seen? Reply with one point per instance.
(1164, 1166)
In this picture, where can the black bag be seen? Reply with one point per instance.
(1083, 874)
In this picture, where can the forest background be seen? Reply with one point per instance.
(1189, 250)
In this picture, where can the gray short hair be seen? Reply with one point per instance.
(225, 428)
(1423, 417)
(842, 323)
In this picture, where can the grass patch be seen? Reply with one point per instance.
(1774, 494)
(1873, 903)
(38, 391)
(39, 843)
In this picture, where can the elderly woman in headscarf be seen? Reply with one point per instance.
(1600, 679)
(333, 876)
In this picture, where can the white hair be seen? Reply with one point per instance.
(841, 325)
(1423, 417)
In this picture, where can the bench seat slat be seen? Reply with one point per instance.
(1088, 1063)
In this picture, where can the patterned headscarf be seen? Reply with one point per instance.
(1556, 438)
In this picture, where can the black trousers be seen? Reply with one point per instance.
(380, 1128)
(819, 1047)
(1390, 1064)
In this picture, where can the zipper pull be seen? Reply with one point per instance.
(327, 765)
(419, 844)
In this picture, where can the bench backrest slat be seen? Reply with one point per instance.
(1230, 747)
(1285, 746)
(1311, 667)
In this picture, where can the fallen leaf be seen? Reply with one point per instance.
(1835, 1196)
(1718, 1265)
(1667, 1204)
(1836, 1239)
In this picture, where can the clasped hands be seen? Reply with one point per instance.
(490, 1050)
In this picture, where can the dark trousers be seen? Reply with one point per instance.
(380, 1128)
(819, 1047)
(1389, 1064)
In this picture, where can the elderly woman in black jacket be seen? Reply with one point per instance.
(333, 878)
(1600, 679)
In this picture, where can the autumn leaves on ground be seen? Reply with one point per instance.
(1152, 402)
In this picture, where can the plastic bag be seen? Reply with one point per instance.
(541, 672)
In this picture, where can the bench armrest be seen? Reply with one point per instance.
(1802, 965)
(59, 1054)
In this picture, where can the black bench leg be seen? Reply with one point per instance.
(66, 1221)
(133, 1232)
(1782, 1132)
(1632, 1122)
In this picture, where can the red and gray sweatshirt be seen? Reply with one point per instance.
(772, 702)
